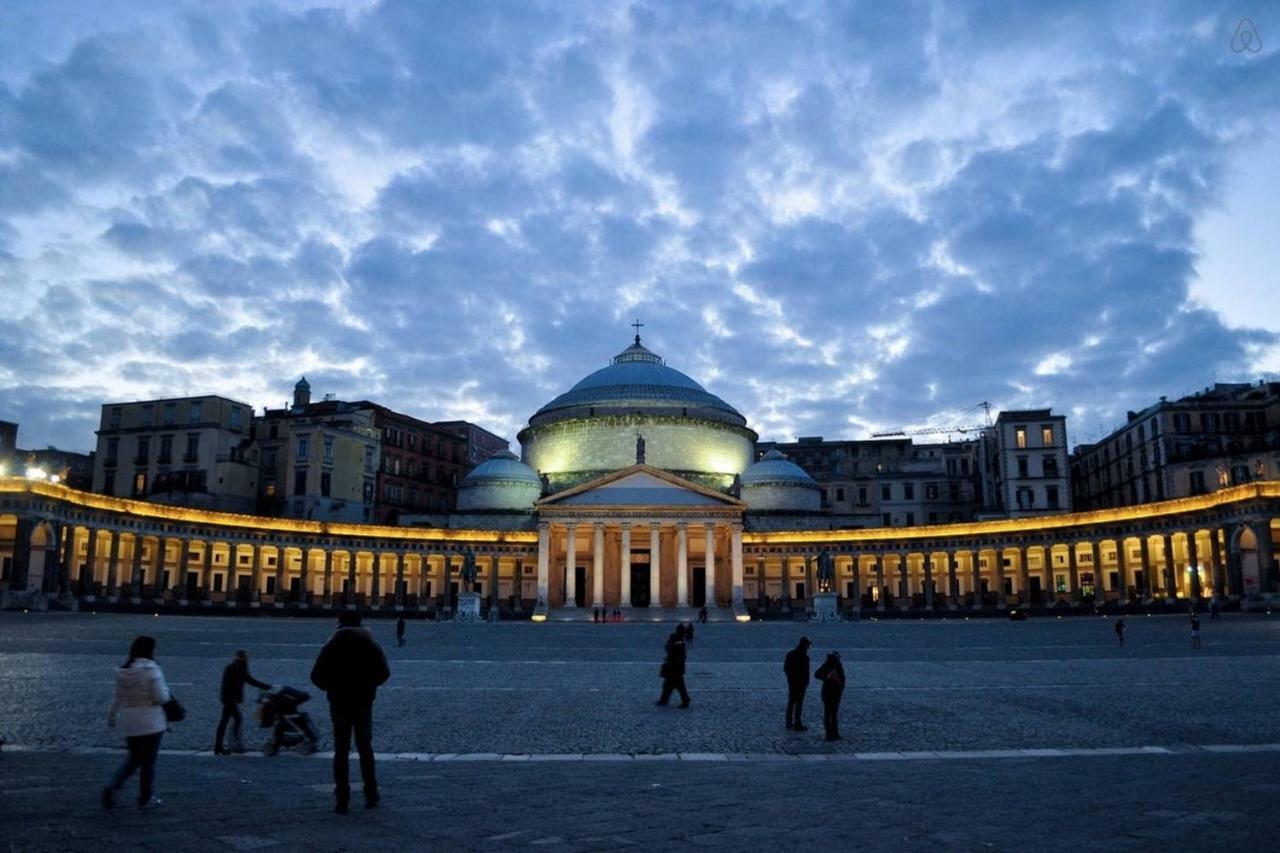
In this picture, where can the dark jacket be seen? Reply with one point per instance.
(796, 666)
(234, 678)
(677, 654)
(350, 667)
(831, 674)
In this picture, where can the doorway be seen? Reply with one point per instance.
(639, 585)
(580, 585)
(699, 596)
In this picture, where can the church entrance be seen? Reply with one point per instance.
(698, 595)
(640, 584)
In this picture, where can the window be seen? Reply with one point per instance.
(1051, 495)
(328, 449)
(170, 414)
(885, 494)
(1197, 483)
(1023, 468)
(113, 452)
(235, 417)
(195, 412)
(166, 449)
(1239, 474)
(144, 450)
(326, 480)
(911, 519)
(1049, 464)
(269, 461)
(1020, 437)
(1026, 498)
(304, 447)
(368, 460)
(300, 481)
(840, 495)
(114, 423)
(140, 484)
(886, 519)
(193, 447)
(909, 491)
(1210, 422)
(1182, 422)
(1046, 435)
(931, 491)
(953, 491)
(148, 415)
(862, 494)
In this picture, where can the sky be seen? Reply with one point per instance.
(839, 217)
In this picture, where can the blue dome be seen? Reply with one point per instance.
(775, 469)
(639, 379)
(502, 467)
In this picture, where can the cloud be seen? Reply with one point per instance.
(839, 218)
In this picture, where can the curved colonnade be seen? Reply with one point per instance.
(61, 543)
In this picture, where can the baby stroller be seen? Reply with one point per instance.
(278, 710)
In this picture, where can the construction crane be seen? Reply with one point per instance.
(962, 428)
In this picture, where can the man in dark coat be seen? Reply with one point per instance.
(234, 678)
(796, 667)
(831, 675)
(400, 631)
(350, 668)
(673, 668)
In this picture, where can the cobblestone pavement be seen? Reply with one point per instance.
(1198, 802)
(573, 688)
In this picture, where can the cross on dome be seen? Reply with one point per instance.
(636, 325)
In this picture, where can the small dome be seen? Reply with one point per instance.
(777, 483)
(776, 469)
(500, 482)
(303, 384)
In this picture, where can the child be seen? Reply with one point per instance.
(1195, 632)
(1120, 631)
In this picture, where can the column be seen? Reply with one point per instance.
(1073, 570)
(1266, 555)
(857, 584)
(281, 577)
(570, 566)
(928, 580)
(625, 564)
(655, 554)
(597, 565)
(135, 575)
(1024, 577)
(711, 566)
(256, 581)
(786, 582)
(1001, 601)
(1193, 563)
(1170, 568)
(735, 561)
(544, 564)
(400, 581)
(113, 562)
(68, 558)
(494, 598)
(953, 582)
(1145, 550)
(328, 575)
(157, 577)
(880, 593)
(184, 568)
(304, 571)
(206, 569)
(1235, 582)
(1099, 583)
(975, 577)
(1219, 570)
(91, 560)
(682, 565)
(904, 580)
(353, 557)
(446, 581)
(424, 578)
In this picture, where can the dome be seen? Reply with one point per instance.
(777, 483)
(637, 379)
(500, 482)
(302, 384)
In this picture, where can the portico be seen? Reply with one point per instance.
(641, 540)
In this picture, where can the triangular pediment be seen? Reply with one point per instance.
(640, 486)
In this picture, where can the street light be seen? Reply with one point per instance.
(35, 472)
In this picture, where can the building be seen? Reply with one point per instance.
(8, 447)
(481, 444)
(389, 463)
(1023, 461)
(60, 466)
(888, 482)
(190, 451)
(1220, 437)
(638, 490)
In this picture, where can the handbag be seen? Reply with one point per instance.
(173, 711)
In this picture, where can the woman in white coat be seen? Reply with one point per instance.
(139, 708)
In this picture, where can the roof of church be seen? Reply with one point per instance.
(638, 378)
(775, 469)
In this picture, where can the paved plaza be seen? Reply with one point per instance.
(979, 734)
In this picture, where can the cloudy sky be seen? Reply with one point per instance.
(838, 217)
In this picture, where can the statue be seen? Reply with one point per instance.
(826, 571)
(469, 570)
(639, 449)
(736, 489)
(546, 484)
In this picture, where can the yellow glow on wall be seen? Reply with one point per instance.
(165, 512)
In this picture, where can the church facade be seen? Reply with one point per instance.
(637, 491)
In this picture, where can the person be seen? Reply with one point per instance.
(234, 677)
(139, 709)
(688, 633)
(672, 671)
(595, 615)
(702, 614)
(796, 667)
(1213, 609)
(1120, 631)
(400, 631)
(349, 669)
(1195, 631)
(831, 676)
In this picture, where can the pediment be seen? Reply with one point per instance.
(640, 486)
